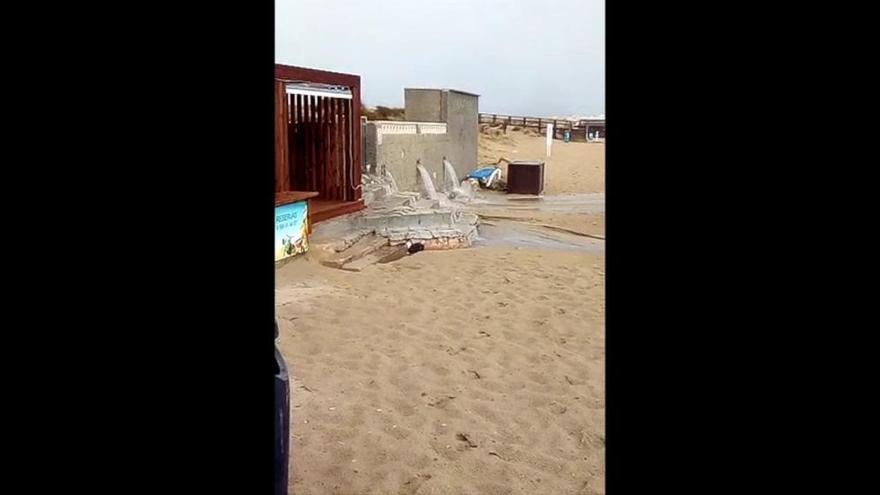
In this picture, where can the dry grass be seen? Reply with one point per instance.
(383, 113)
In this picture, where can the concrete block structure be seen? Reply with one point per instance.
(440, 123)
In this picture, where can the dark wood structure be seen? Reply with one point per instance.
(525, 177)
(318, 143)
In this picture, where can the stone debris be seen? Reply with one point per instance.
(433, 219)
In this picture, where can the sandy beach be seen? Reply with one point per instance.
(470, 371)
(574, 167)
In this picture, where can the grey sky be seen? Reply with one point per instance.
(523, 57)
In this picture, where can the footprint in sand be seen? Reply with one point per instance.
(557, 408)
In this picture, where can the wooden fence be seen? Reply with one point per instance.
(534, 122)
(576, 128)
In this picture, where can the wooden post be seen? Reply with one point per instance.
(324, 178)
(302, 161)
(282, 171)
(292, 140)
(338, 160)
(346, 161)
(309, 142)
(356, 141)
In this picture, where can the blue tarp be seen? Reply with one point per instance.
(482, 173)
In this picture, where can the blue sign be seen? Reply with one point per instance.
(291, 229)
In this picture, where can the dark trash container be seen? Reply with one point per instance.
(525, 177)
(282, 421)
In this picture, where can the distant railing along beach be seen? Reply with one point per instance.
(578, 127)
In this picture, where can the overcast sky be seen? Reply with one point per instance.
(524, 57)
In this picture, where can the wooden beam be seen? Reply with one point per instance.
(293, 73)
(287, 197)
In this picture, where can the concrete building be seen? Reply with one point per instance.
(439, 123)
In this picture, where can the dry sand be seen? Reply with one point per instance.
(575, 167)
(473, 371)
